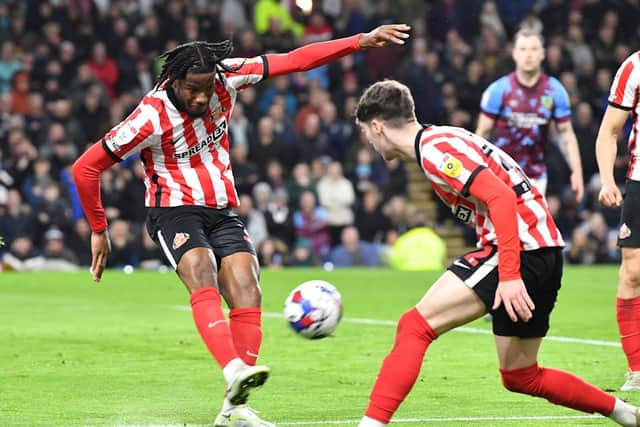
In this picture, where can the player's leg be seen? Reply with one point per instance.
(520, 373)
(238, 278)
(180, 232)
(628, 295)
(518, 343)
(447, 304)
(628, 314)
(240, 288)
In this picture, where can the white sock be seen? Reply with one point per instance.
(624, 414)
(232, 368)
(370, 422)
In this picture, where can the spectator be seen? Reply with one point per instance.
(9, 65)
(104, 68)
(301, 181)
(367, 172)
(310, 222)
(16, 219)
(123, 250)
(57, 257)
(80, 241)
(245, 172)
(353, 252)
(280, 218)
(371, 222)
(149, 254)
(592, 242)
(336, 196)
(253, 219)
(22, 255)
(272, 253)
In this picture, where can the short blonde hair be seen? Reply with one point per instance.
(528, 32)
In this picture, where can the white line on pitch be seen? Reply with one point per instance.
(466, 329)
(403, 420)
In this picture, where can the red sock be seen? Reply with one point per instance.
(246, 332)
(559, 387)
(401, 367)
(628, 314)
(212, 325)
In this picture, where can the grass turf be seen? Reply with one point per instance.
(125, 352)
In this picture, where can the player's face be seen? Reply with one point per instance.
(528, 53)
(194, 92)
(376, 139)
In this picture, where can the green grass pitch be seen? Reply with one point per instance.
(125, 352)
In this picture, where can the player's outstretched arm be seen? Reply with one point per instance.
(86, 175)
(316, 54)
(606, 150)
(503, 212)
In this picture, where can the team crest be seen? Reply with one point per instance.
(546, 101)
(180, 239)
(216, 114)
(624, 232)
(451, 166)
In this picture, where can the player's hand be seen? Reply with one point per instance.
(577, 185)
(384, 35)
(100, 248)
(610, 196)
(516, 300)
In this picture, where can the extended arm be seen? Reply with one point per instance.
(503, 212)
(569, 143)
(86, 174)
(606, 151)
(316, 54)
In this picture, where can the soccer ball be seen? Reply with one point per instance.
(313, 309)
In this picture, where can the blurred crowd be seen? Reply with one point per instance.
(312, 191)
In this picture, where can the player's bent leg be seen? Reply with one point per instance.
(448, 303)
(628, 315)
(239, 284)
(521, 374)
(197, 270)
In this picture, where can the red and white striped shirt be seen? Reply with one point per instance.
(624, 95)
(186, 159)
(451, 157)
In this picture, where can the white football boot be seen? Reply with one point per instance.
(632, 382)
(240, 416)
(248, 378)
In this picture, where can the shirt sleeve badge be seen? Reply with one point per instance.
(451, 166)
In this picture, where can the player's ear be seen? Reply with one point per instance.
(377, 126)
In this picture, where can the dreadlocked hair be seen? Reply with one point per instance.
(197, 57)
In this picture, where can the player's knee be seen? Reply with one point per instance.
(630, 273)
(197, 270)
(413, 323)
(521, 380)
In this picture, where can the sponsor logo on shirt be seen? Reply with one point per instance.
(212, 138)
(526, 120)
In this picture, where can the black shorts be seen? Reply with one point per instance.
(178, 229)
(541, 271)
(629, 234)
